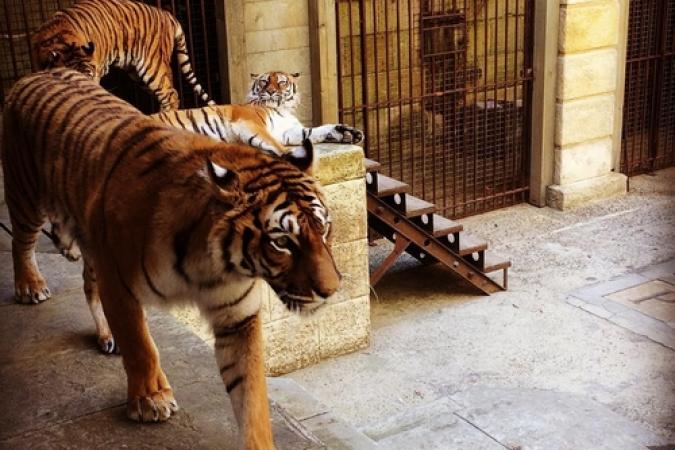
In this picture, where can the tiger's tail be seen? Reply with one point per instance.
(186, 67)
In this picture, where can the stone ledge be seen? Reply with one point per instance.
(583, 161)
(584, 119)
(338, 163)
(576, 194)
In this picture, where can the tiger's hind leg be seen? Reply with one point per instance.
(162, 87)
(149, 395)
(64, 241)
(105, 339)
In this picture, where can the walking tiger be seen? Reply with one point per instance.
(164, 216)
(93, 35)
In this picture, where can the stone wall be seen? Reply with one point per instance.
(586, 102)
(343, 326)
(276, 35)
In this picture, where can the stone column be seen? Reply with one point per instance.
(586, 102)
(343, 326)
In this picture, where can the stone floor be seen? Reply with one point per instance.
(569, 357)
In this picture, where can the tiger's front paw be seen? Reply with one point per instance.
(156, 407)
(31, 290)
(345, 134)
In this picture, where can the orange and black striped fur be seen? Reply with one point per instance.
(164, 216)
(267, 122)
(93, 35)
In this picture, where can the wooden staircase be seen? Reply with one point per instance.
(414, 227)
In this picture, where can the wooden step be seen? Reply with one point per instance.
(470, 244)
(444, 226)
(371, 166)
(494, 262)
(388, 186)
(415, 207)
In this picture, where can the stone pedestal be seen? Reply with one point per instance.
(342, 326)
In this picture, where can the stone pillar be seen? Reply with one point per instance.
(586, 101)
(292, 342)
(342, 326)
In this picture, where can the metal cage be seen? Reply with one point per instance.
(442, 89)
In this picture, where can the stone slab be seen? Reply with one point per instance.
(433, 425)
(564, 197)
(338, 163)
(545, 420)
(587, 73)
(58, 391)
(583, 161)
(584, 119)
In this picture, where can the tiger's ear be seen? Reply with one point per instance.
(302, 157)
(296, 75)
(221, 176)
(88, 49)
(254, 76)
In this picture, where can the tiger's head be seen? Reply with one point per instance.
(274, 89)
(56, 46)
(268, 219)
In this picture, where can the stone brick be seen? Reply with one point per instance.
(290, 344)
(276, 14)
(581, 161)
(263, 41)
(588, 25)
(347, 205)
(584, 119)
(344, 327)
(351, 259)
(338, 163)
(564, 197)
(584, 74)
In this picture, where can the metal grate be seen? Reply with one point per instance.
(19, 18)
(442, 90)
(648, 135)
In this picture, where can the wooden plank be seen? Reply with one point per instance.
(469, 244)
(444, 226)
(546, 22)
(494, 262)
(415, 207)
(235, 49)
(323, 50)
(388, 186)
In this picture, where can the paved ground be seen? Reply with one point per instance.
(536, 366)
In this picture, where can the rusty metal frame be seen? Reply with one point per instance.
(461, 144)
(408, 233)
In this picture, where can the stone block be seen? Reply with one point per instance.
(263, 41)
(344, 327)
(290, 344)
(584, 119)
(588, 25)
(337, 163)
(275, 15)
(346, 203)
(582, 161)
(351, 259)
(585, 74)
(564, 197)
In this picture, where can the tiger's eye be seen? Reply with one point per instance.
(281, 241)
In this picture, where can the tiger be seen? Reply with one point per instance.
(164, 216)
(94, 35)
(267, 122)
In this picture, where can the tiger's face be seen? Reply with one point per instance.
(274, 89)
(284, 232)
(53, 47)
